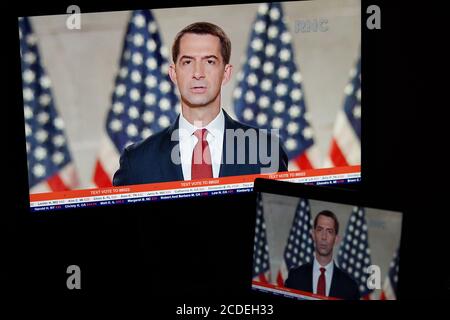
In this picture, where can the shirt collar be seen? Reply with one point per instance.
(317, 265)
(215, 127)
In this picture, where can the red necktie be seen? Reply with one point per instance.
(201, 157)
(321, 283)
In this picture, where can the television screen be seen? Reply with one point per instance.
(314, 247)
(155, 104)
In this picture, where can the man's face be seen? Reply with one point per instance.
(324, 236)
(199, 71)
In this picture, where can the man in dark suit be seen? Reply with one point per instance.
(323, 276)
(204, 141)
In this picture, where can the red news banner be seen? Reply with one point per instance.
(288, 292)
(172, 189)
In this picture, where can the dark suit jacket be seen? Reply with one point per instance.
(149, 161)
(342, 285)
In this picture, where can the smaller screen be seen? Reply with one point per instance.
(318, 250)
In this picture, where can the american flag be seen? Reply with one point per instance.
(389, 291)
(300, 247)
(261, 263)
(50, 166)
(345, 147)
(354, 252)
(269, 93)
(144, 100)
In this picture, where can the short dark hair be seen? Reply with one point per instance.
(329, 214)
(204, 28)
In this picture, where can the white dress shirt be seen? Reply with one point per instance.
(328, 275)
(188, 140)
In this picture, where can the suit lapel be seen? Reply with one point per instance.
(170, 170)
(227, 170)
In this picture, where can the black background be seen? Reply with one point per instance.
(204, 245)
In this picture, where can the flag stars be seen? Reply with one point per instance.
(164, 87)
(272, 32)
(296, 94)
(281, 89)
(38, 170)
(274, 13)
(58, 158)
(257, 44)
(290, 144)
(43, 118)
(146, 133)
(268, 67)
(133, 112)
(40, 153)
(44, 99)
(115, 125)
(139, 21)
(297, 77)
(292, 128)
(248, 114)
(28, 112)
(28, 94)
(348, 89)
(123, 72)
(165, 68)
(163, 121)
(132, 131)
(357, 112)
(59, 140)
(286, 37)
(164, 52)
(277, 123)
(308, 133)
(28, 130)
(285, 55)
(45, 82)
(41, 135)
(294, 111)
(134, 94)
(266, 85)
(136, 76)
(151, 63)
(279, 106)
(151, 45)
(237, 93)
(270, 50)
(31, 40)
(164, 104)
(118, 107)
(152, 27)
(150, 81)
(250, 97)
(263, 8)
(252, 79)
(261, 119)
(254, 62)
(28, 76)
(29, 57)
(149, 99)
(264, 102)
(58, 123)
(138, 40)
(283, 72)
(148, 116)
(120, 90)
(260, 26)
(136, 58)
